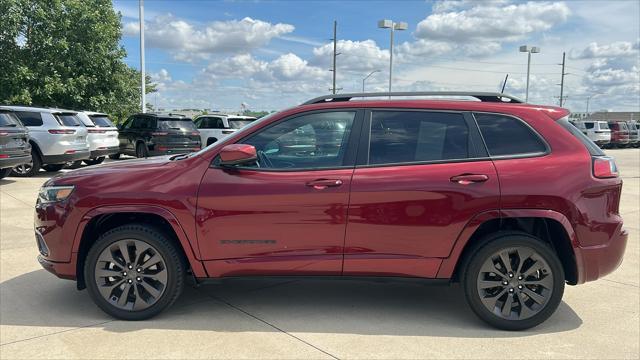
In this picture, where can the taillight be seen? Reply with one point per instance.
(604, 167)
(61, 131)
(4, 133)
(96, 131)
(195, 133)
(160, 133)
(4, 156)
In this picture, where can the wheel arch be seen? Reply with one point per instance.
(100, 220)
(35, 146)
(549, 226)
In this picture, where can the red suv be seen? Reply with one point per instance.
(507, 198)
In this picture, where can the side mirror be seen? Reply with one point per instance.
(237, 154)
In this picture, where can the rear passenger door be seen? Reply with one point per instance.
(421, 176)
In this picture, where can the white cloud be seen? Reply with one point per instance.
(491, 21)
(359, 56)
(232, 36)
(615, 49)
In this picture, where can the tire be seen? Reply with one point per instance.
(53, 167)
(543, 279)
(114, 156)
(30, 169)
(167, 289)
(94, 161)
(5, 172)
(141, 150)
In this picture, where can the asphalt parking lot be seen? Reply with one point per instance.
(45, 317)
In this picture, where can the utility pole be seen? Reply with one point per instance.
(562, 79)
(335, 54)
(142, 73)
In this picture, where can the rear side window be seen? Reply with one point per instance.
(505, 136)
(29, 118)
(594, 150)
(101, 121)
(589, 125)
(68, 119)
(415, 136)
(186, 124)
(9, 119)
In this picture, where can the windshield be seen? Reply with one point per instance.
(185, 124)
(239, 123)
(101, 121)
(68, 119)
(9, 119)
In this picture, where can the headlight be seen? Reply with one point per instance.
(50, 194)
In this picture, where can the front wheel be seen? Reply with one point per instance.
(141, 150)
(29, 169)
(94, 161)
(115, 156)
(513, 281)
(134, 272)
(5, 172)
(53, 167)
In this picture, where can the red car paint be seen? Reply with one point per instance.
(409, 220)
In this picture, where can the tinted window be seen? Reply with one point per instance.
(309, 141)
(101, 121)
(138, 123)
(9, 119)
(589, 125)
(623, 126)
(410, 136)
(590, 145)
(68, 119)
(29, 118)
(505, 135)
(239, 123)
(186, 124)
(210, 123)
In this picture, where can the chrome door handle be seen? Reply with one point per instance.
(321, 184)
(466, 179)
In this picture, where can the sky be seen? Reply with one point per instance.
(269, 55)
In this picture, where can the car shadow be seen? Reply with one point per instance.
(37, 299)
(6, 181)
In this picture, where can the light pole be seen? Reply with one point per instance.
(389, 24)
(142, 73)
(366, 77)
(589, 99)
(529, 50)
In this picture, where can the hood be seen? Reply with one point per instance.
(130, 169)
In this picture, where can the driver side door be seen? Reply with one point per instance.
(286, 214)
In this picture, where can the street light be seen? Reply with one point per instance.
(389, 24)
(366, 77)
(529, 50)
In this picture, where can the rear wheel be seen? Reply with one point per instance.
(5, 172)
(75, 165)
(94, 161)
(53, 167)
(134, 272)
(141, 150)
(29, 169)
(114, 156)
(513, 281)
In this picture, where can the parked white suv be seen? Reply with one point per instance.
(597, 131)
(102, 136)
(215, 127)
(56, 136)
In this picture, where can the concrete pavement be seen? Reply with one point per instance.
(45, 317)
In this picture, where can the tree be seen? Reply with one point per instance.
(66, 53)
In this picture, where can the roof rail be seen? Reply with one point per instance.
(482, 96)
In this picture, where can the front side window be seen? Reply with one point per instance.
(29, 118)
(317, 140)
(415, 136)
(505, 136)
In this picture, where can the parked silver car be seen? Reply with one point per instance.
(57, 137)
(102, 136)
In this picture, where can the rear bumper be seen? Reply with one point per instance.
(597, 261)
(172, 150)
(104, 152)
(64, 158)
(14, 161)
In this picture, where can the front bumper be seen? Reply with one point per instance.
(597, 261)
(65, 158)
(63, 270)
(14, 161)
(172, 150)
(104, 152)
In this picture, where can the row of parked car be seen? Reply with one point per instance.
(611, 133)
(46, 138)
